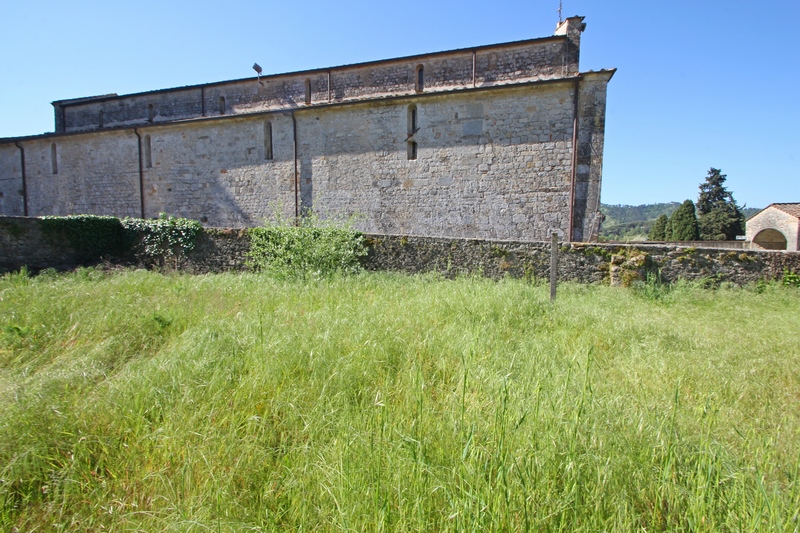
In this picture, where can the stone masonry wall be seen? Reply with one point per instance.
(537, 59)
(23, 243)
(589, 158)
(95, 174)
(491, 164)
(773, 218)
(11, 198)
(219, 172)
(486, 167)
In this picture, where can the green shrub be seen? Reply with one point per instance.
(162, 240)
(791, 279)
(314, 248)
(91, 237)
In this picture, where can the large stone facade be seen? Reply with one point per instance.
(496, 142)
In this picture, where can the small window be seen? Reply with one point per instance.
(420, 78)
(54, 158)
(412, 149)
(221, 105)
(148, 153)
(151, 113)
(268, 140)
(308, 92)
(101, 118)
(412, 120)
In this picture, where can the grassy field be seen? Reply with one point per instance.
(136, 401)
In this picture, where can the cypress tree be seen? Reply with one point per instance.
(658, 231)
(719, 218)
(668, 230)
(684, 223)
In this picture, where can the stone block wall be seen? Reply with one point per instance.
(583, 263)
(531, 60)
(97, 174)
(495, 168)
(490, 163)
(222, 172)
(219, 250)
(11, 185)
(772, 220)
(499, 142)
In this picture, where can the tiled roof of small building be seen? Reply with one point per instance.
(790, 209)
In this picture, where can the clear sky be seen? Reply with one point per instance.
(700, 83)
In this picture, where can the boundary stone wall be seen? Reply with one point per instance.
(22, 243)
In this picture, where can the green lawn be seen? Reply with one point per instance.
(134, 401)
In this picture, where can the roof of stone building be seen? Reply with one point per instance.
(789, 209)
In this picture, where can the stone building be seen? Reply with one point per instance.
(498, 142)
(776, 227)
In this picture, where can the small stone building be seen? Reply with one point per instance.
(777, 227)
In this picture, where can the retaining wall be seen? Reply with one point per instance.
(22, 243)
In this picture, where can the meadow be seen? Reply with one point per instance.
(138, 401)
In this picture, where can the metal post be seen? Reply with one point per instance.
(553, 265)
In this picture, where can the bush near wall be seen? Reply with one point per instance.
(310, 249)
(162, 242)
(91, 237)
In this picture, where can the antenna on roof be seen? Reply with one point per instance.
(560, 19)
(258, 70)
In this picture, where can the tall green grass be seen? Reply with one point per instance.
(137, 401)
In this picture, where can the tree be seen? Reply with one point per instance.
(719, 218)
(684, 223)
(657, 232)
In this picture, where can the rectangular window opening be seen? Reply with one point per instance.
(54, 158)
(268, 141)
(412, 150)
(148, 154)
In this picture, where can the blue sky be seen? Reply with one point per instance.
(699, 83)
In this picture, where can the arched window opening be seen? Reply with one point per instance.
(101, 118)
(151, 113)
(54, 158)
(268, 140)
(221, 105)
(420, 79)
(770, 239)
(148, 153)
(412, 120)
(308, 92)
(412, 150)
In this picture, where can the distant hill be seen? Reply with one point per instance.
(633, 222)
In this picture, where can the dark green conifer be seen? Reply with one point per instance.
(657, 232)
(684, 223)
(719, 218)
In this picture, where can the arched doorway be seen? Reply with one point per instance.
(770, 239)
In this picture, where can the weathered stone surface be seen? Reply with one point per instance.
(776, 227)
(490, 152)
(219, 250)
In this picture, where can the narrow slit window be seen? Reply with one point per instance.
(151, 113)
(54, 158)
(412, 120)
(221, 105)
(102, 117)
(268, 140)
(148, 153)
(412, 149)
(308, 92)
(420, 78)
